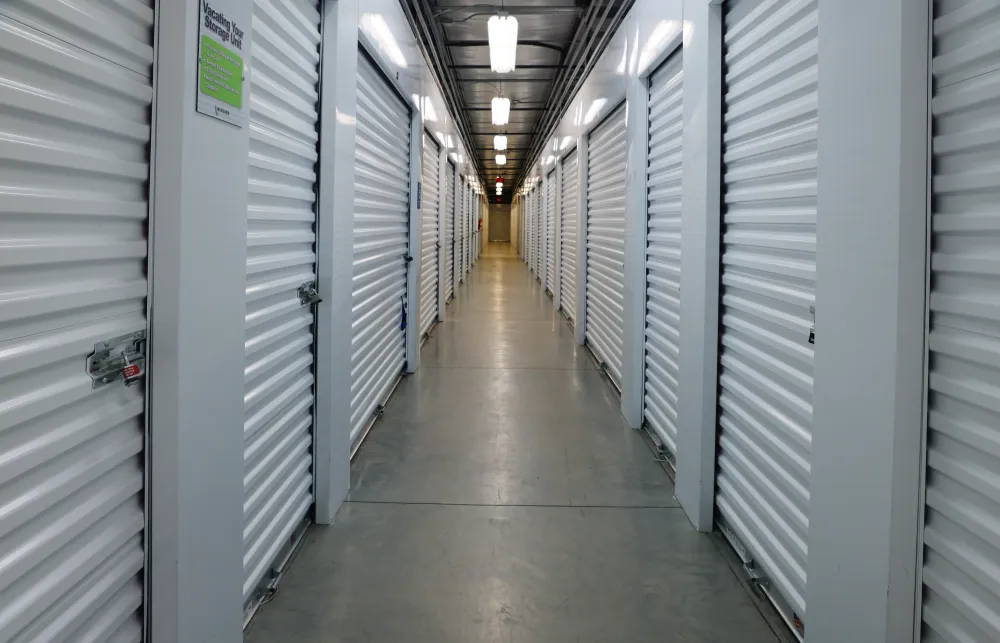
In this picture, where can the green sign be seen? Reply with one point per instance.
(221, 73)
(220, 61)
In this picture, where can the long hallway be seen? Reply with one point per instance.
(503, 498)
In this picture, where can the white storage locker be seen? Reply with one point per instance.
(529, 235)
(532, 229)
(281, 273)
(381, 245)
(76, 93)
(460, 223)
(540, 216)
(663, 251)
(567, 234)
(960, 594)
(466, 232)
(476, 205)
(529, 249)
(449, 240)
(550, 231)
(430, 246)
(606, 242)
(768, 286)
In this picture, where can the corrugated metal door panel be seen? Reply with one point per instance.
(429, 234)
(381, 243)
(961, 535)
(663, 250)
(74, 153)
(529, 231)
(606, 242)
(550, 231)
(463, 205)
(465, 229)
(768, 284)
(281, 236)
(540, 232)
(450, 239)
(567, 234)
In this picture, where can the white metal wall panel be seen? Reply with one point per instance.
(450, 239)
(663, 251)
(381, 243)
(429, 202)
(567, 234)
(606, 242)
(281, 257)
(768, 285)
(75, 101)
(961, 536)
(550, 231)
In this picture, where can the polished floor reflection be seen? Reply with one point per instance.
(502, 498)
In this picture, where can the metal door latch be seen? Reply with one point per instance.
(119, 358)
(308, 295)
(812, 329)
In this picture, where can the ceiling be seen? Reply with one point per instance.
(549, 67)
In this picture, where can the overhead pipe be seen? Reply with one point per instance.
(518, 10)
(576, 80)
(569, 61)
(455, 100)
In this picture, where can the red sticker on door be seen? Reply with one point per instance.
(132, 370)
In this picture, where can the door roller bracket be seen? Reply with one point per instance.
(118, 358)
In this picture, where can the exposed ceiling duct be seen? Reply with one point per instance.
(558, 43)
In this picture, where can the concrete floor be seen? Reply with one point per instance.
(502, 498)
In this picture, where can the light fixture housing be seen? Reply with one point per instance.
(500, 142)
(501, 110)
(502, 32)
(501, 159)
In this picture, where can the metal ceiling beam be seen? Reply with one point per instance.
(519, 67)
(486, 43)
(513, 109)
(515, 81)
(513, 9)
(429, 34)
(582, 62)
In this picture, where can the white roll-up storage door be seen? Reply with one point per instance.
(663, 251)
(476, 204)
(449, 241)
(463, 229)
(540, 232)
(567, 234)
(768, 285)
(530, 228)
(550, 232)
(429, 234)
(525, 227)
(381, 244)
(606, 242)
(960, 599)
(281, 260)
(76, 93)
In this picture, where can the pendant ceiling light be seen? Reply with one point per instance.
(502, 32)
(500, 143)
(501, 159)
(501, 110)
